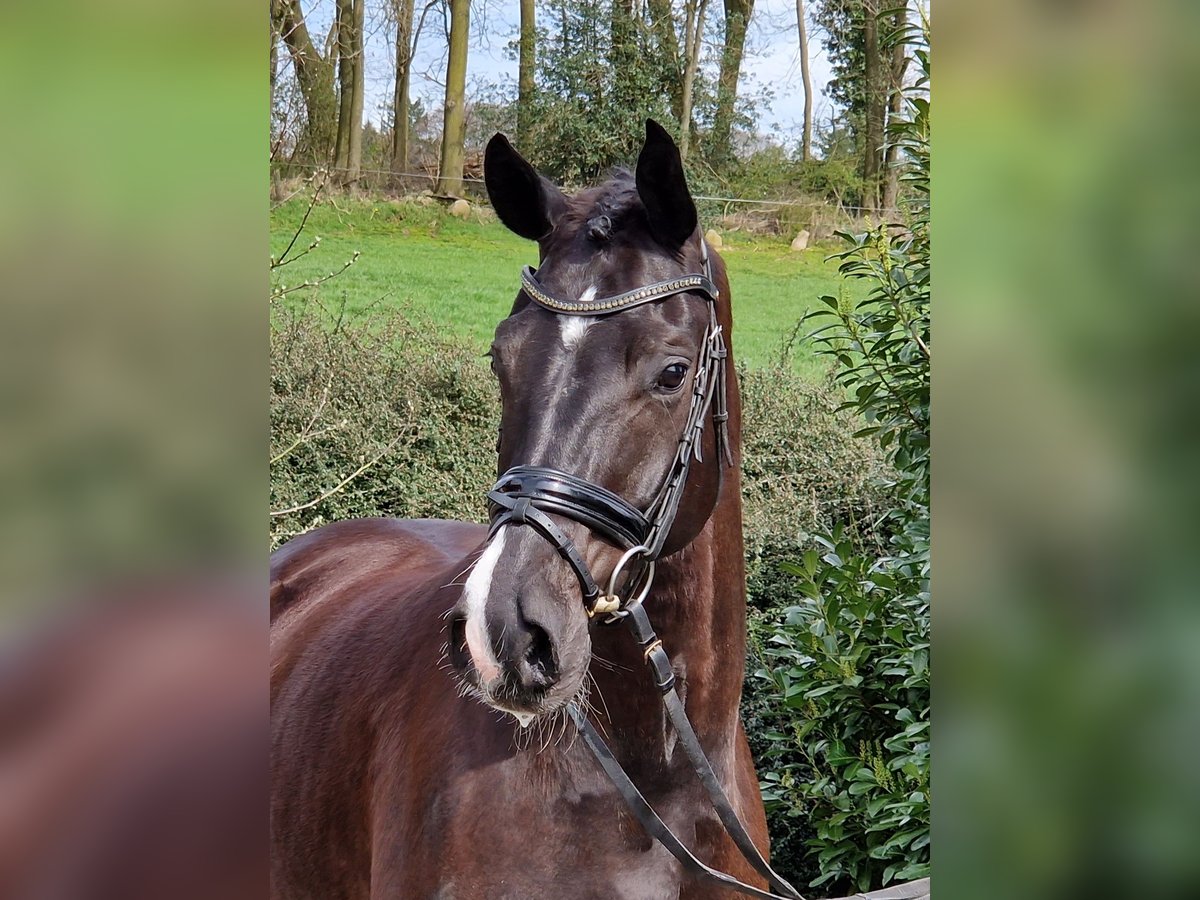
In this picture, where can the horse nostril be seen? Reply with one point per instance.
(540, 657)
(459, 654)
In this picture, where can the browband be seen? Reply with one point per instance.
(602, 306)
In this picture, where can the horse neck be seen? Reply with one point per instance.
(698, 609)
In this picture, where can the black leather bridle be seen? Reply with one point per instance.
(524, 495)
(530, 495)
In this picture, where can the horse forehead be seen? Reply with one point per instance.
(562, 336)
(598, 274)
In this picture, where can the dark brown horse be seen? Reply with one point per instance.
(421, 671)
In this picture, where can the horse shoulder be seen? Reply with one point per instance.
(328, 559)
(357, 611)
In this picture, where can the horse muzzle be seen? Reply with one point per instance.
(518, 637)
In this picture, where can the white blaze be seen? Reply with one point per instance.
(476, 591)
(574, 327)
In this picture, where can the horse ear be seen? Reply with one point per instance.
(525, 201)
(663, 188)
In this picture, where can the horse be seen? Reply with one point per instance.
(431, 680)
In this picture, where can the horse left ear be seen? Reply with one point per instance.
(663, 188)
(525, 201)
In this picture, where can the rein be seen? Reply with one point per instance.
(529, 495)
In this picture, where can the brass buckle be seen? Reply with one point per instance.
(610, 603)
(605, 604)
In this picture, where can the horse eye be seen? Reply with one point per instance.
(672, 377)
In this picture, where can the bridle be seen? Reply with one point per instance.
(524, 495)
(529, 495)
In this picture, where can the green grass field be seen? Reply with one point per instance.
(462, 274)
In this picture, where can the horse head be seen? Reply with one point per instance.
(601, 395)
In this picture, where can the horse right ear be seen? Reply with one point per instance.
(526, 202)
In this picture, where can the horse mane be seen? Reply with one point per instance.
(606, 209)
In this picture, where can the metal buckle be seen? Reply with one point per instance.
(605, 603)
(610, 602)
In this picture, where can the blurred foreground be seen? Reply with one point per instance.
(133, 748)
(133, 237)
(1066, 604)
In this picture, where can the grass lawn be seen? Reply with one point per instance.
(463, 275)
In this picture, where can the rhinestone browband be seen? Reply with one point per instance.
(604, 305)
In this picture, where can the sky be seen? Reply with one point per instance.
(771, 60)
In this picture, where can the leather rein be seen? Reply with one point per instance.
(530, 495)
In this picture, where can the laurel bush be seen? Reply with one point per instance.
(844, 717)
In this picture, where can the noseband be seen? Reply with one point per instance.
(529, 495)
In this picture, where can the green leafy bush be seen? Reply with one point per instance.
(849, 751)
(375, 417)
(803, 472)
(847, 736)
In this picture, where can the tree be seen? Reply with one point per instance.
(527, 61)
(737, 20)
(274, 72)
(592, 97)
(314, 75)
(662, 26)
(693, 31)
(450, 175)
(623, 54)
(351, 63)
(867, 65)
(404, 57)
(806, 77)
(898, 41)
(872, 149)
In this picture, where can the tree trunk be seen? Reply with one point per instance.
(358, 60)
(891, 185)
(737, 18)
(525, 70)
(274, 53)
(314, 74)
(450, 175)
(662, 24)
(404, 55)
(693, 32)
(344, 23)
(875, 106)
(806, 77)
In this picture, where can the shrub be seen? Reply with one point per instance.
(847, 736)
(377, 417)
(803, 471)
